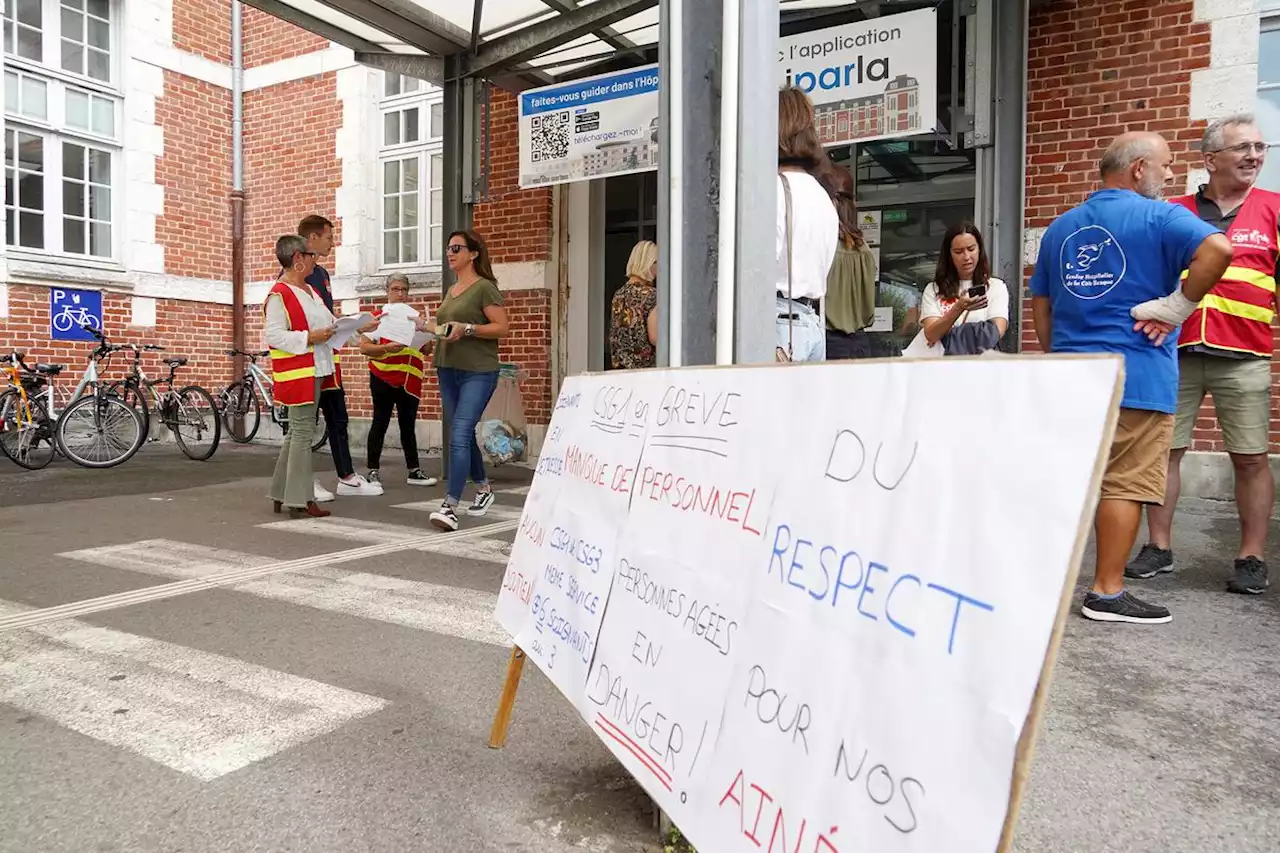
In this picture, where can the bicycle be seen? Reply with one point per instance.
(26, 427)
(190, 407)
(241, 404)
(71, 317)
(98, 430)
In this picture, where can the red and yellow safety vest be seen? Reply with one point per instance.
(402, 368)
(294, 376)
(1236, 314)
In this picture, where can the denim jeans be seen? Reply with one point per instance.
(463, 396)
(333, 405)
(808, 340)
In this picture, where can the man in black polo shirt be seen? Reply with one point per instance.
(318, 232)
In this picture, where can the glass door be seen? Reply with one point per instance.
(631, 215)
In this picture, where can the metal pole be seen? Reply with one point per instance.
(237, 188)
(459, 131)
(672, 142)
(757, 194)
(728, 220)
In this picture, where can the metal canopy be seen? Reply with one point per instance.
(516, 43)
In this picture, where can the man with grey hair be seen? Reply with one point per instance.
(1103, 265)
(1225, 350)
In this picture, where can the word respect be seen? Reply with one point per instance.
(908, 603)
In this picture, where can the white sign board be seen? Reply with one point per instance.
(592, 128)
(791, 612)
(874, 79)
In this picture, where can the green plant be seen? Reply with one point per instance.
(676, 843)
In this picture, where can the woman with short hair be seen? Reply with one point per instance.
(633, 315)
(295, 321)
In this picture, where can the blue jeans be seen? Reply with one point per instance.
(805, 333)
(463, 396)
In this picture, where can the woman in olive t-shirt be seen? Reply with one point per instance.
(470, 321)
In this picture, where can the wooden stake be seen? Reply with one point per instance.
(507, 703)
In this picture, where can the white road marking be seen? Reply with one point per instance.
(195, 712)
(441, 609)
(518, 490)
(498, 512)
(138, 596)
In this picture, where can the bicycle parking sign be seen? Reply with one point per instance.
(70, 310)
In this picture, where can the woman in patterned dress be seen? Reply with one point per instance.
(633, 327)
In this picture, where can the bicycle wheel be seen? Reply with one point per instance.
(322, 432)
(241, 412)
(26, 435)
(195, 423)
(133, 397)
(100, 431)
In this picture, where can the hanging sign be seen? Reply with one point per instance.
(724, 571)
(592, 128)
(874, 79)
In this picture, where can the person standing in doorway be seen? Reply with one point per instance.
(1111, 261)
(633, 313)
(1225, 350)
(318, 232)
(851, 281)
(470, 321)
(395, 384)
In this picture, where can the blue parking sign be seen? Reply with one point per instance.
(71, 310)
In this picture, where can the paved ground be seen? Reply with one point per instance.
(343, 704)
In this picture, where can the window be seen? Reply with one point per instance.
(62, 127)
(1268, 102)
(411, 179)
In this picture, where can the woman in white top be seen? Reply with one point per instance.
(804, 260)
(964, 292)
(292, 486)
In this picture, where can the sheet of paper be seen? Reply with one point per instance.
(400, 309)
(883, 321)
(395, 328)
(345, 327)
(420, 340)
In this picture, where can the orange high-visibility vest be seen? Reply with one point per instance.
(294, 376)
(1236, 314)
(402, 368)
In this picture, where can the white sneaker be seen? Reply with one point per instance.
(359, 486)
(322, 495)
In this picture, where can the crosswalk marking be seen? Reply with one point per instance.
(496, 512)
(199, 713)
(441, 609)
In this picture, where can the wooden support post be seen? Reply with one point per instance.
(507, 703)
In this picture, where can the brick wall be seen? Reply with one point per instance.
(195, 172)
(516, 223)
(291, 169)
(269, 39)
(203, 27)
(1098, 68)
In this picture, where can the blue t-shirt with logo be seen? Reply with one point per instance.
(1100, 259)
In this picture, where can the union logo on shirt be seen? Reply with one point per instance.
(1250, 238)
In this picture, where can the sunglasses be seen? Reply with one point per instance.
(455, 249)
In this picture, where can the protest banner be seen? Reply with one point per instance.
(813, 607)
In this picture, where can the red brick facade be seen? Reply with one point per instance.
(1095, 69)
(269, 39)
(516, 223)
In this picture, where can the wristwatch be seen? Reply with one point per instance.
(468, 330)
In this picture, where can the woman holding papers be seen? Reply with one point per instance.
(298, 330)
(395, 378)
(469, 323)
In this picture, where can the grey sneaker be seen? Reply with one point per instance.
(1126, 608)
(481, 504)
(374, 477)
(417, 478)
(1151, 561)
(1250, 578)
(444, 518)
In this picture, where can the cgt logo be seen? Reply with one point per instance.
(1250, 238)
(841, 76)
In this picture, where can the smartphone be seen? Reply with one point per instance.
(444, 330)
(979, 290)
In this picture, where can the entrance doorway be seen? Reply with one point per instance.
(631, 215)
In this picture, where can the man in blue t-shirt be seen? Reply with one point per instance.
(318, 232)
(1106, 280)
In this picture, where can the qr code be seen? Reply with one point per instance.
(550, 136)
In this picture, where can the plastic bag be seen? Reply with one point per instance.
(502, 432)
(921, 348)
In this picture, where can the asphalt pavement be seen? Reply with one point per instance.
(219, 678)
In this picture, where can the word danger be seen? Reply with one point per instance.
(662, 737)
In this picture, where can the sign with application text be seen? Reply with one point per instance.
(874, 79)
(777, 606)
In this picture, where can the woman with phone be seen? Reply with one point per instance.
(297, 323)
(469, 323)
(963, 292)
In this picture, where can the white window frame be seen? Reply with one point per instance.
(427, 151)
(55, 130)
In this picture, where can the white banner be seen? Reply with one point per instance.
(592, 128)
(875, 79)
(790, 612)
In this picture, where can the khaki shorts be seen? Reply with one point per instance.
(1241, 391)
(1139, 462)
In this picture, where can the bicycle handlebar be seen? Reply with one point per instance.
(250, 355)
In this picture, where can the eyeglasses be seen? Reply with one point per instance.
(1244, 148)
(456, 248)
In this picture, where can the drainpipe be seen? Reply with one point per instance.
(237, 187)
